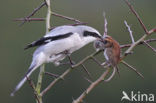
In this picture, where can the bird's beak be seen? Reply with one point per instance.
(101, 39)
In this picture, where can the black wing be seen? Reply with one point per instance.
(45, 40)
(39, 42)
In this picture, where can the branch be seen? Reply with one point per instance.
(149, 46)
(66, 17)
(91, 87)
(143, 26)
(48, 16)
(42, 68)
(75, 24)
(29, 19)
(105, 24)
(132, 68)
(130, 31)
(31, 14)
(141, 43)
(136, 14)
(34, 90)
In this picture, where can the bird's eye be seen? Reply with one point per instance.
(105, 41)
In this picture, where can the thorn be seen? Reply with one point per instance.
(51, 74)
(88, 73)
(132, 68)
(88, 80)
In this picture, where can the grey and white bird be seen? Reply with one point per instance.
(52, 46)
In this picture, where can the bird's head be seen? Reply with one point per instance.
(88, 33)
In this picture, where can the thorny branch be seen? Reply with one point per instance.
(28, 18)
(32, 85)
(30, 15)
(137, 16)
(101, 78)
(130, 31)
(148, 45)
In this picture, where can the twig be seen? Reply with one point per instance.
(29, 19)
(85, 69)
(136, 14)
(66, 17)
(88, 80)
(148, 45)
(128, 45)
(96, 61)
(33, 87)
(91, 87)
(48, 16)
(35, 10)
(75, 24)
(105, 24)
(51, 74)
(130, 31)
(129, 66)
(39, 82)
(139, 41)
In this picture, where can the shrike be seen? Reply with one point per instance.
(52, 47)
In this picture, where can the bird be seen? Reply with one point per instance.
(58, 44)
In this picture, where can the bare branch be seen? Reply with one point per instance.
(132, 68)
(91, 87)
(75, 24)
(136, 14)
(105, 24)
(128, 45)
(29, 19)
(51, 74)
(85, 69)
(139, 41)
(148, 45)
(88, 80)
(31, 14)
(66, 17)
(130, 31)
(32, 85)
(98, 62)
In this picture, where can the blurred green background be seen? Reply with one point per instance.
(15, 61)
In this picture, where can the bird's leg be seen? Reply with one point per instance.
(66, 52)
(116, 67)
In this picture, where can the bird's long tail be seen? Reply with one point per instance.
(20, 84)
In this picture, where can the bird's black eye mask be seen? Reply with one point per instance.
(93, 34)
